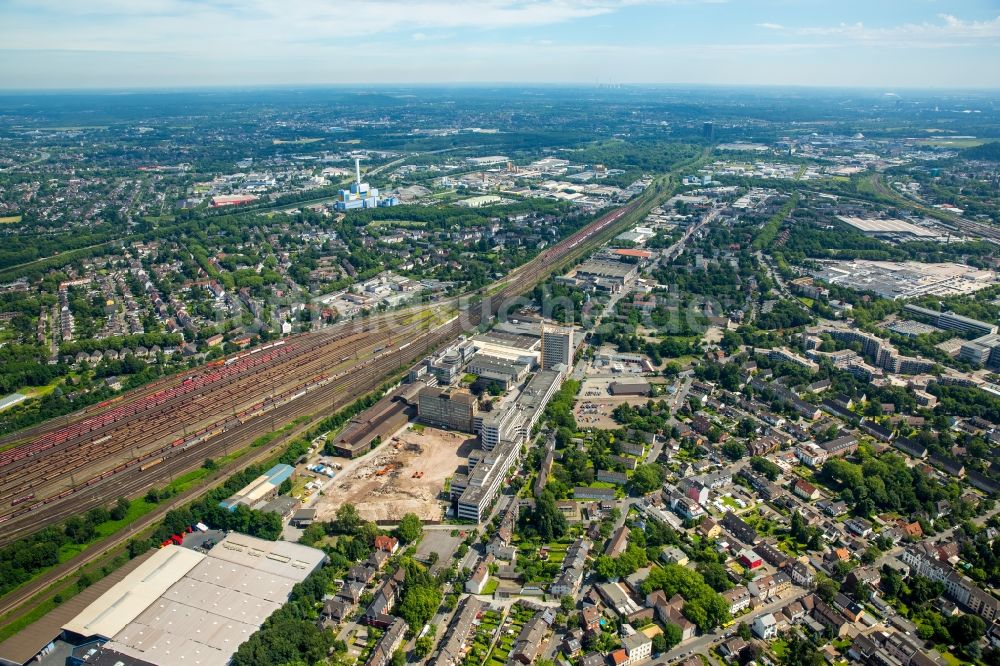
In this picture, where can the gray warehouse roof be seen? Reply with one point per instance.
(185, 607)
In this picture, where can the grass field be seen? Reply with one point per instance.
(945, 142)
(296, 142)
(10, 219)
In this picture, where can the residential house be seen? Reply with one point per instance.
(334, 612)
(738, 599)
(618, 542)
(638, 647)
(739, 528)
(529, 642)
(386, 544)
(479, 578)
(801, 574)
(765, 627)
(805, 490)
(388, 644)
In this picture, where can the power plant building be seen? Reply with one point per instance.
(361, 195)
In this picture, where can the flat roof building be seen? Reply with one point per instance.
(557, 347)
(261, 490)
(456, 410)
(951, 321)
(182, 606)
(498, 370)
(605, 272)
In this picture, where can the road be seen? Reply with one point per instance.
(673, 251)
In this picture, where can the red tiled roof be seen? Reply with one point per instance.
(641, 254)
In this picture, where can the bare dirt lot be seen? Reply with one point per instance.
(382, 484)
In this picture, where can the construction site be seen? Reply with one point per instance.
(408, 474)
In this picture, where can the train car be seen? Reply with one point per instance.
(21, 500)
(101, 440)
(151, 463)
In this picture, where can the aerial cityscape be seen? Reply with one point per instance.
(572, 350)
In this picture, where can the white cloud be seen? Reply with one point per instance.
(950, 31)
(771, 26)
(192, 25)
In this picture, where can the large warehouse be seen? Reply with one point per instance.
(185, 607)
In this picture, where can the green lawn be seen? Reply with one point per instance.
(951, 659)
(945, 142)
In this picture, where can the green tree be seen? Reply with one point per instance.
(743, 631)
(545, 521)
(410, 529)
(734, 450)
(647, 478)
(827, 588)
(120, 509)
(966, 629)
(348, 520)
(672, 636)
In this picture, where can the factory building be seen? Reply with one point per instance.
(489, 160)
(181, 606)
(605, 274)
(497, 370)
(379, 422)
(557, 347)
(261, 490)
(456, 410)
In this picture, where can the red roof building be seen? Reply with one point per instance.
(750, 559)
(637, 254)
(387, 543)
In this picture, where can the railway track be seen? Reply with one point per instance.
(49, 471)
(133, 444)
(984, 231)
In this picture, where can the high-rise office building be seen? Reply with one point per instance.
(708, 131)
(557, 347)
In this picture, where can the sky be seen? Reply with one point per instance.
(60, 44)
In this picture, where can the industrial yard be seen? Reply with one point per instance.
(405, 475)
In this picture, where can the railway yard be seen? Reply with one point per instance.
(146, 437)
